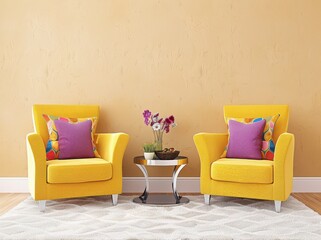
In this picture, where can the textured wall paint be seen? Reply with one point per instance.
(187, 58)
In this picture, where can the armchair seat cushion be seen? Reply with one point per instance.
(242, 170)
(78, 170)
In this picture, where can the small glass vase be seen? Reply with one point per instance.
(158, 140)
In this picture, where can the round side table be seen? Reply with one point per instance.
(161, 199)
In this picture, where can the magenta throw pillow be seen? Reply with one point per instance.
(75, 139)
(245, 140)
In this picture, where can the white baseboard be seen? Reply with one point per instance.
(191, 184)
(14, 185)
(158, 184)
(307, 184)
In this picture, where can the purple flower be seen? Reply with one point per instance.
(146, 115)
(157, 123)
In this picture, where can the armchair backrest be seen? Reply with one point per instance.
(256, 111)
(70, 111)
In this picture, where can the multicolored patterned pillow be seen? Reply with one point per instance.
(52, 148)
(268, 145)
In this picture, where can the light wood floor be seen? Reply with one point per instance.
(312, 200)
(9, 200)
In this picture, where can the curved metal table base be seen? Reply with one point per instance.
(176, 171)
(144, 196)
(162, 199)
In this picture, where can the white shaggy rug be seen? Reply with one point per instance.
(96, 218)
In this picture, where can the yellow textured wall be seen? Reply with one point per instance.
(187, 58)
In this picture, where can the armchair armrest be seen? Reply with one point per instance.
(36, 165)
(111, 147)
(210, 147)
(283, 166)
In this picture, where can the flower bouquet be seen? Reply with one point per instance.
(159, 126)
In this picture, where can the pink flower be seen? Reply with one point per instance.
(157, 123)
(172, 119)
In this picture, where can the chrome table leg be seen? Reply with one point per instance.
(176, 171)
(144, 196)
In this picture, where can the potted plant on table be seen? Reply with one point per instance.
(149, 150)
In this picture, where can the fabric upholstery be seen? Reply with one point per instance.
(52, 146)
(211, 145)
(78, 170)
(268, 145)
(75, 139)
(242, 171)
(111, 147)
(245, 140)
(68, 111)
(259, 111)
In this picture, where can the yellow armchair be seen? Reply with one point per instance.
(258, 179)
(71, 178)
